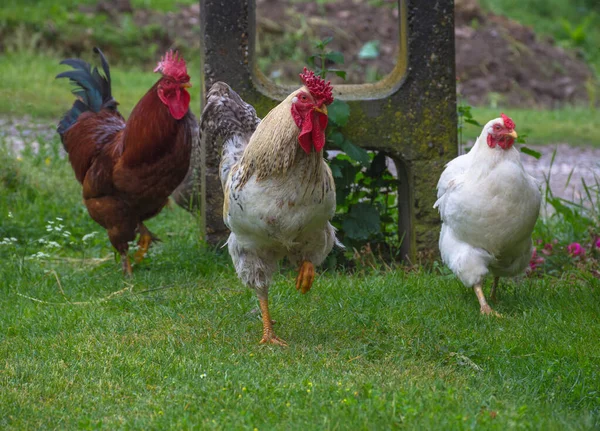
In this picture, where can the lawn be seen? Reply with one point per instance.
(30, 89)
(176, 346)
(570, 125)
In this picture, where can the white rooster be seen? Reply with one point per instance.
(279, 192)
(489, 206)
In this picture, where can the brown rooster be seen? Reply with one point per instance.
(279, 192)
(128, 169)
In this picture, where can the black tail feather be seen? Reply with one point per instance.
(93, 91)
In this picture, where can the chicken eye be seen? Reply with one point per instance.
(496, 127)
(304, 98)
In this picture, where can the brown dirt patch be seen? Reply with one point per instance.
(286, 32)
(498, 60)
(497, 55)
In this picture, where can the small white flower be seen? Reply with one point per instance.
(88, 236)
(53, 244)
(59, 218)
(39, 255)
(66, 234)
(10, 214)
(203, 375)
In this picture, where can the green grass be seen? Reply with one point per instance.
(65, 28)
(29, 88)
(37, 11)
(571, 125)
(177, 346)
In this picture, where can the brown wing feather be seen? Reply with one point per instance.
(87, 138)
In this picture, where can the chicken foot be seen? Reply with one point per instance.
(125, 262)
(306, 276)
(146, 238)
(485, 308)
(269, 336)
(493, 296)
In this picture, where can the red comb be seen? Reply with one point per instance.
(317, 86)
(173, 65)
(508, 122)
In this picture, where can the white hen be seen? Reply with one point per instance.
(489, 206)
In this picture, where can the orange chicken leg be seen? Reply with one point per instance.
(269, 336)
(484, 307)
(146, 238)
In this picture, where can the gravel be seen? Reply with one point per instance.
(571, 166)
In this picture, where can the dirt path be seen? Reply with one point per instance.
(580, 163)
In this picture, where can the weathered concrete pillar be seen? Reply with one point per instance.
(410, 114)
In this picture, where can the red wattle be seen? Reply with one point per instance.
(318, 133)
(178, 102)
(506, 143)
(312, 129)
(503, 141)
(306, 139)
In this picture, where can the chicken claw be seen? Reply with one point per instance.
(273, 339)
(306, 276)
(485, 308)
(269, 336)
(146, 238)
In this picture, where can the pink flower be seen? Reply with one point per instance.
(575, 249)
(598, 243)
(536, 261)
(547, 250)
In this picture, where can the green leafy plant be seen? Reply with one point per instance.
(576, 34)
(567, 236)
(464, 116)
(367, 211)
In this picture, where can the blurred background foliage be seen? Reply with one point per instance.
(538, 58)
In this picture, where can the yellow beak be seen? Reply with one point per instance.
(513, 134)
(322, 109)
(186, 85)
